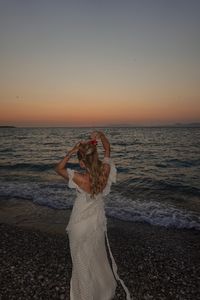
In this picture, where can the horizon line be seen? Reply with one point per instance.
(189, 124)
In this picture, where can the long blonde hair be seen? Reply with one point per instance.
(88, 154)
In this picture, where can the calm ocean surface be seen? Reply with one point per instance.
(158, 178)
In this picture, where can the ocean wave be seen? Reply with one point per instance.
(156, 213)
(57, 195)
(182, 163)
(147, 184)
(6, 150)
(32, 166)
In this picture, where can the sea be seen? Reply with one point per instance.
(158, 171)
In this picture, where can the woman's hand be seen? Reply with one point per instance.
(61, 165)
(75, 148)
(104, 140)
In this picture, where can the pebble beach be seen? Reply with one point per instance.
(154, 262)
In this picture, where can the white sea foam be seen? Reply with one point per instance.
(58, 196)
(152, 212)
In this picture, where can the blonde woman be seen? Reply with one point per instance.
(92, 277)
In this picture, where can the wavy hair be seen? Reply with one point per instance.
(88, 154)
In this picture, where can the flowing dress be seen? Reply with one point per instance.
(92, 277)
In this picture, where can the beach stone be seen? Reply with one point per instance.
(43, 270)
(148, 297)
(140, 267)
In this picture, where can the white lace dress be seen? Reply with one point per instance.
(92, 277)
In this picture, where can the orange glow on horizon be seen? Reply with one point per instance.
(88, 111)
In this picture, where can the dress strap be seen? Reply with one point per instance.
(114, 267)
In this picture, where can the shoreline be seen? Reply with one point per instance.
(155, 262)
(25, 213)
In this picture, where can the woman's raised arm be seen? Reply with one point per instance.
(104, 140)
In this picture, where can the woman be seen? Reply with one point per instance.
(92, 277)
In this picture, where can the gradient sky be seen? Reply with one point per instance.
(82, 63)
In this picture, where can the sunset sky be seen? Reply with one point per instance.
(87, 63)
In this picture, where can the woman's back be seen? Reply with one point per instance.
(84, 185)
(87, 184)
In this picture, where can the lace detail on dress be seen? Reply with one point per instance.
(94, 208)
(88, 255)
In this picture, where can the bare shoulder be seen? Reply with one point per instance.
(79, 178)
(83, 181)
